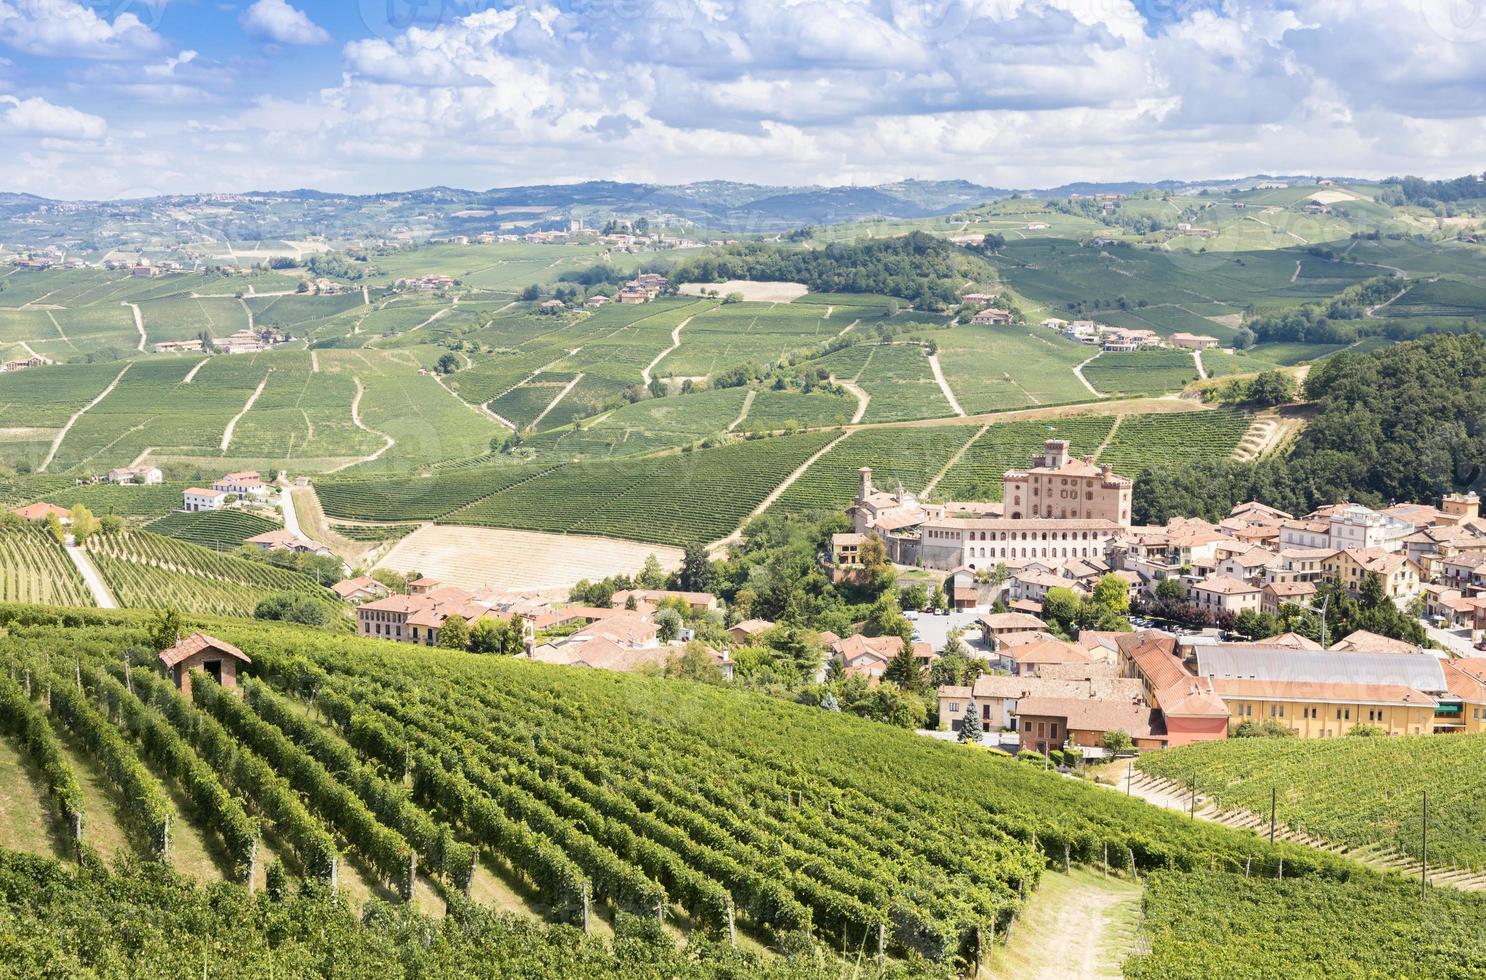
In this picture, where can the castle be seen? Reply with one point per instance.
(1059, 509)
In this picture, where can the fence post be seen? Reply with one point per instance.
(128, 678)
(1282, 868)
(412, 879)
(253, 867)
(585, 906)
(1248, 862)
(1067, 858)
(732, 924)
(77, 829)
(1130, 853)
(335, 860)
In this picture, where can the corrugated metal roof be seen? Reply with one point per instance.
(1237, 660)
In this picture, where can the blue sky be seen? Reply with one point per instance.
(112, 98)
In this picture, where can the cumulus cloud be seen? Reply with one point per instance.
(65, 27)
(276, 20)
(38, 117)
(1020, 93)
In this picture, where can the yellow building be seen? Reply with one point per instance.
(1349, 568)
(1323, 710)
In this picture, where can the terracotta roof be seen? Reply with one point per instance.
(194, 644)
(1363, 641)
(1049, 651)
(752, 627)
(1193, 698)
(1097, 715)
(1012, 621)
(351, 586)
(1235, 687)
(1466, 684)
(1291, 588)
(40, 511)
(203, 492)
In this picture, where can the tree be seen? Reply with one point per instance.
(630, 605)
(111, 523)
(829, 702)
(531, 293)
(1117, 741)
(55, 529)
(290, 607)
(913, 597)
(696, 570)
(1171, 590)
(1271, 388)
(84, 524)
(667, 625)
(890, 704)
(695, 663)
(487, 636)
(454, 634)
(939, 600)
(1060, 609)
(904, 669)
(651, 576)
(447, 364)
(1268, 728)
(971, 729)
(165, 629)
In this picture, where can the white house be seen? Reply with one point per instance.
(197, 498)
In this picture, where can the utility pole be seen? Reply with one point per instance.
(1193, 812)
(1424, 851)
(1273, 795)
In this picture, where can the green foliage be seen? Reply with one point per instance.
(219, 530)
(23, 721)
(1227, 924)
(971, 728)
(454, 634)
(295, 608)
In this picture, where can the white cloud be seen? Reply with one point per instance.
(1020, 93)
(65, 27)
(275, 20)
(38, 117)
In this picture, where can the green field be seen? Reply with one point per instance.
(910, 457)
(746, 334)
(901, 384)
(676, 499)
(1147, 372)
(1174, 439)
(34, 568)
(1357, 791)
(776, 817)
(1263, 357)
(1438, 298)
(991, 368)
(218, 530)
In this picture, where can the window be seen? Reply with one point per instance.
(1027, 726)
(954, 707)
(1053, 731)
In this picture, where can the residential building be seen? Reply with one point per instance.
(1223, 595)
(991, 315)
(1192, 341)
(42, 511)
(282, 539)
(1030, 658)
(696, 601)
(749, 629)
(144, 474)
(1050, 723)
(1350, 567)
(244, 483)
(361, 589)
(198, 498)
(998, 628)
(1354, 526)
(1277, 594)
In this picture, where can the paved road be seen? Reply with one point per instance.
(1456, 641)
(935, 629)
(89, 572)
(291, 516)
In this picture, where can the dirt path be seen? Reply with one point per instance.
(60, 332)
(356, 421)
(1197, 360)
(743, 412)
(848, 328)
(1296, 274)
(314, 362)
(949, 396)
(232, 424)
(1077, 924)
(248, 310)
(138, 323)
(1078, 372)
(675, 343)
(191, 374)
(57, 442)
(1373, 310)
(775, 494)
(1109, 436)
(560, 396)
(959, 455)
(89, 572)
(857, 392)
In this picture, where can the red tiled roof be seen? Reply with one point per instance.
(1245, 687)
(194, 644)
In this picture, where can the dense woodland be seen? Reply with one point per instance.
(1406, 422)
(920, 268)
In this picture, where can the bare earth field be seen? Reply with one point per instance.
(753, 292)
(481, 557)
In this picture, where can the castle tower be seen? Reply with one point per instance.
(865, 489)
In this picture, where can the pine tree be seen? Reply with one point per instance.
(971, 728)
(829, 702)
(904, 670)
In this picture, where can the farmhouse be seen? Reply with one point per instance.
(1223, 595)
(748, 629)
(178, 347)
(286, 540)
(992, 315)
(22, 364)
(41, 511)
(1192, 341)
(146, 475)
(361, 589)
(245, 483)
(996, 696)
(217, 658)
(197, 498)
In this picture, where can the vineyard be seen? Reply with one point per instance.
(679, 499)
(218, 530)
(1357, 791)
(147, 571)
(1207, 925)
(34, 568)
(418, 498)
(902, 385)
(908, 456)
(598, 794)
(1174, 439)
(1148, 372)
